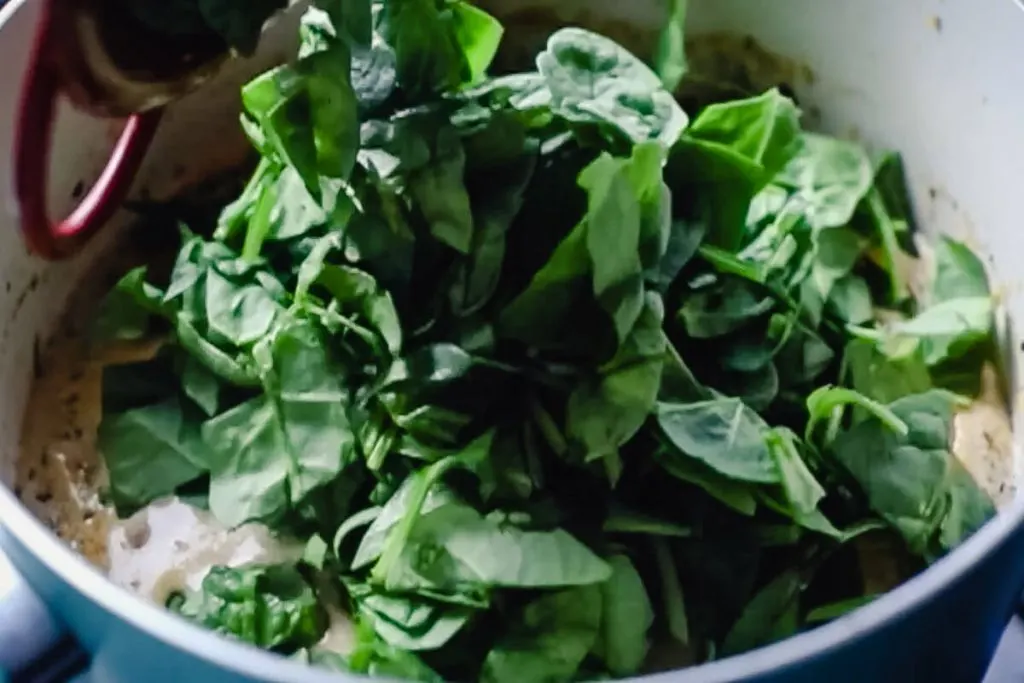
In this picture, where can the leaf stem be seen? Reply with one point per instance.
(399, 535)
(552, 434)
(672, 590)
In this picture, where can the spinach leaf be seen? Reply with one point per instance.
(759, 134)
(353, 294)
(127, 310)
(406, 622)
(850, 300)
(304, 114)
(802, 490)
(269, 453)
(883, 377)
(890, 217)
(549, 640)
(771, 615)
(722, 433)
(477, 278)
(949, 329)
(439, 44)
(738, 495)
(913, 480)
(375, 657)
(829, 178)
(216, 303)
(607, 411)
(837, 252)
(438, 188)
(604, 253)
(436, 392)
(635, 189)
(627, 617)
(728, 155)
(150, 451)
(201, 385)
(593, 80)
(959, 273)
(722, 308)
(271, 606)
(471, 550)
(827, 400)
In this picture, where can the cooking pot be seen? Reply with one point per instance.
(934, 79)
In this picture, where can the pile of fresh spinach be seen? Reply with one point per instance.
(544, 369)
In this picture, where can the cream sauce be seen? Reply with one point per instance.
(170, 545)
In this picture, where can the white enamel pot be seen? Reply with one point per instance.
(939, 80)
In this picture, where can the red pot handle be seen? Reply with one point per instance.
(32, 147)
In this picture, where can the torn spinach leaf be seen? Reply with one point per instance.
(150, 451)
(270, 606)
(549, 640)
(439, 44)
(724, 434)
(269, 453)
(912, 479)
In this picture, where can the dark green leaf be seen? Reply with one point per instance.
(271, 606)
(269, 453)
(150, 451)
(627, 617)
(722, 433)
(606, 411)
(549, 640)
(913, 480)
(439, 45)
(770, 616)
